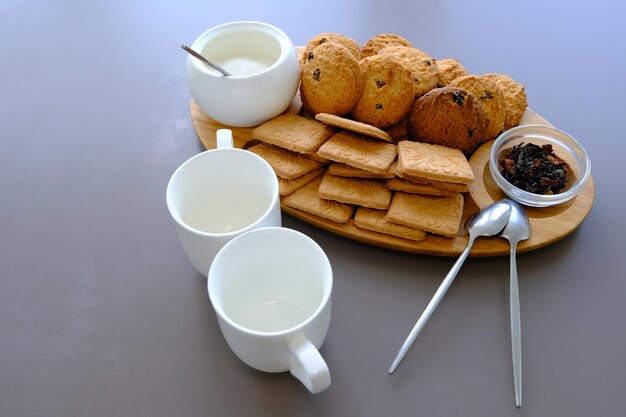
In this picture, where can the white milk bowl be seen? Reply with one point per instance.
(265, 69)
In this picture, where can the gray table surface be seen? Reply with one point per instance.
(101, 314)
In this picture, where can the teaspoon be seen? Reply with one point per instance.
(206, 61)
(488, 222)
(516, 230)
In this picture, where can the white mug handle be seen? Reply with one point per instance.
(224, 139)
(306, 364)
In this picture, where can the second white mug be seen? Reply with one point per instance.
(271, 290)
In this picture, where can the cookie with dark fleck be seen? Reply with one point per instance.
(349, 43)
(374, 45)
(423, 66)
(388, 92)
(448, 116)
(490, 96)
(331, 80)
(514, 97)
(449, 69)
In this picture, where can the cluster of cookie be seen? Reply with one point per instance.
(390, 84)
(347, 171)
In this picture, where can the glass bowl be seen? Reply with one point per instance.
(563, 145)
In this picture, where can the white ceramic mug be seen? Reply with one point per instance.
(265, 69)
(271, 291)
(219, 194)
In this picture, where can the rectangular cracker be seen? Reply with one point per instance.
(292, 132)
(353, 126)
(286, 187)
(400, 184)
(360, 192)
(342, 170)
(451, 186)
(435, 214)
(306, 199)
(359, 151)
(316, 157)
(433, 162)
(286, 164)
(401, 173)
(376, 221)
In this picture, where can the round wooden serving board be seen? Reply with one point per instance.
(548, 224)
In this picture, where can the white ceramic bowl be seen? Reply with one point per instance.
(563, 145)
(265, 69)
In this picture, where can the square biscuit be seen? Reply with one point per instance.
(342, 170)
(294, 133)
(306, 199)
(359, 151)
(286, 187)
(360, 192)
(399, 184)
(286, 164)
(433, 162)
(435, 214)
(375, 220)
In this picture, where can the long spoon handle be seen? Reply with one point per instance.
(432, 305)
(516, 333)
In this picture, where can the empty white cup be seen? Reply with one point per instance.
(271, 290)
(219, 194)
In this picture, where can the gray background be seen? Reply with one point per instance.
(101, 314)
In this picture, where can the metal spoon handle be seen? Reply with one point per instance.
(432, 305)
(516, 334)
(206, 61)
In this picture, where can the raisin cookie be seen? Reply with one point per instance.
(388, 91)
(490, 96)
(331, 80)
(374, 45)
(514, 97)
(448, 116)
(449, 69)
(349, 43)
(423, 66)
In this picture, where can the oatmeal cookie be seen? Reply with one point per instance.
(349, 43)
(514, 97)
(449, 69)
(378, 42)
(423, 66)
(490, 96)
(331, 80)
(448, 116)
(387, 92)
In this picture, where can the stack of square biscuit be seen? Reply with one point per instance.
(346, 171)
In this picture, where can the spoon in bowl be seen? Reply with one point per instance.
(488, 222)
(516, 230)
(206, 61)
